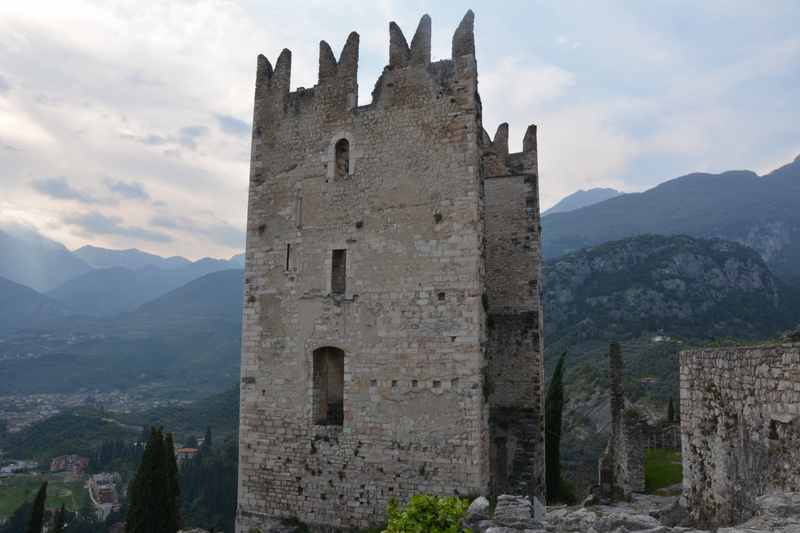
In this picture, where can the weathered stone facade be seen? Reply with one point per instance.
(392, 326)
(621, 467)
(740, 428)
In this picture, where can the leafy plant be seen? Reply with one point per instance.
(426, 513)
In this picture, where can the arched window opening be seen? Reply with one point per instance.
(329, 386)
(342, 158)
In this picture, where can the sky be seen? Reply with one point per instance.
(127, 123)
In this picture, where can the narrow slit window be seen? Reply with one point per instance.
(329, 386)
(342, 158)
(288, 255)
(339, 272)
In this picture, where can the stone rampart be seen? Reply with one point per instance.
(740, 428)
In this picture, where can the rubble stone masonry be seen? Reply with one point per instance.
(392, 324)
(740, 428)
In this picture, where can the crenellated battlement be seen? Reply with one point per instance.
(347, 66)
(274, 84)
(496, 159)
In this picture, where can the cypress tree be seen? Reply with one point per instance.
(154, 494)
(207, 438)
(37, 513)
(59, 519)
(671, 411)
(173, 487)
(554, 405)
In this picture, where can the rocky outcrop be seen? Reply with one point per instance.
(778, 513)
(689, 286)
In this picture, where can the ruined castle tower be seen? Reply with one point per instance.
(392, 325)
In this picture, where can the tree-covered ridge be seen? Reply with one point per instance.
(680, 285)
(78, 431)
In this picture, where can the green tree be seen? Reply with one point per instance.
(554, 406)
(207, 439)
(19, 520)
(172, 512)
(37, 513)
(671, 411)
(153, 494)
(58, 520)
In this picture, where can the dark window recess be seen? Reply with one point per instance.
(288, 255)
(342, 158)
(339, 271)
(329, 386)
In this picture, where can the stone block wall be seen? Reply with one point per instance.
(739, 428)
(621, 470)
(381, 257)
(513, 302)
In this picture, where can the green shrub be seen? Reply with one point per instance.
(428, 514)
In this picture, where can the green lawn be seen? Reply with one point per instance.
(662, 468)
(14, 491)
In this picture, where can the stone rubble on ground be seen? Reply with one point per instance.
(778, 513)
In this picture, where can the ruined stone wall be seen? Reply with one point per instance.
(621, 469)
(411, 319)
(663, 435)
(739, 426)
(631, 463)
(513, 271)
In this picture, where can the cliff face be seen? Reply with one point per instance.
(679, 285)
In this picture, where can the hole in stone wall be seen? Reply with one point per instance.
(440, 296)
(288, 255)
(342, 158)
(373, 383)
(414, 383)
(394, 383)
(436, 383)
(437, 217)
(339, 271)
(329, 386)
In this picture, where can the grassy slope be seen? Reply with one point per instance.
(16, 490)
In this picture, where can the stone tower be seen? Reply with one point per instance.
(392, 325)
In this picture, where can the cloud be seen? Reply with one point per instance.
(4, 85)
(96, 223)
(60, 189)
(217, 232)
(188, 135)
(131, 190)
(153, 140)
(233, 125)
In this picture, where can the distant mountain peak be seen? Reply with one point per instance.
(583, 198)
(131, 258)
(737, 205)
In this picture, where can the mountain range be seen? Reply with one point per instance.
(28, 258)
(186, 341)
(758, 211)
(96, 281)
(582, 198)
